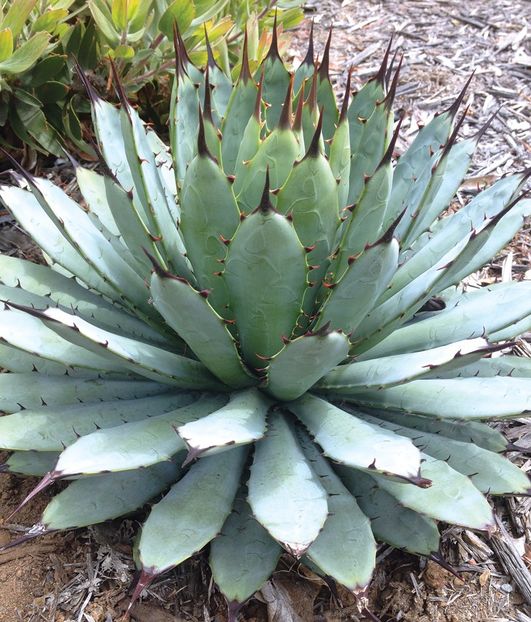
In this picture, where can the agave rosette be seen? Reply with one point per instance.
(262, 328)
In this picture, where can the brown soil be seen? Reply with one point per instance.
(86, 576)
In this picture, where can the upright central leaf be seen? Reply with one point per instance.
(266, 274)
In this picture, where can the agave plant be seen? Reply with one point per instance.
(262, 329)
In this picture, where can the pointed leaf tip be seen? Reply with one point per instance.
(181, 55)
(284, 122)
(486, 125)
(380, 76)
(193, 454)
(297, 121)
(20, 169)
(439, 559)
(323, 331)
(207, 101)
(389, 152)
(160, 271)
(390, 233)
(39, 529)
(312, 97)
(370, 615)
(211, 61)
(265, 204)
(314, 148)
(202, 147)
(346, 97)
(459, 99)
(120, 91)
(453, 137)
(324, 66)
(233, 610)
(91, 91)
(45, 483)
(245, 71)
(309, 59)
(389, 98)
(273, 48)
(145, 579)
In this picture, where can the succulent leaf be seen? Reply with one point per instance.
(301, 362)
(142, 358)
(459, 320)
(397, 369)
(241, 421)
(348, 440)
(239, 110)
(390, 521)
(354, 294)
(55, 427)
(265, 272)
(111, 495)
(488, 471)
(345, 549)
(479, 434)
(206, 223)
(285, 494)
(457, 398)
(234, 554)
(189, 313)
(192, 513)
(468, 507)
(34, 463)
(20, 391)
(132, 445)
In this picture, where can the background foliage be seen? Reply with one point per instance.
(41, 98)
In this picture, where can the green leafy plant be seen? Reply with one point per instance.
(41, 102)
(266, 320)
(34, 74)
